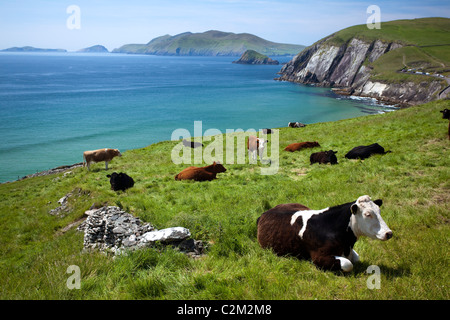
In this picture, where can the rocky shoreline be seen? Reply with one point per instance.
(51, 171)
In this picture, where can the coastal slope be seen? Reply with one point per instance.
(406, 62)
(413, 181)
(209, 43)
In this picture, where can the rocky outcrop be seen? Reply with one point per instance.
(111, 229)
(54, 171)
(346, 68)
(97, 49)
(253, 57)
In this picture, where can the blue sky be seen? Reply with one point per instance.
(112, 23)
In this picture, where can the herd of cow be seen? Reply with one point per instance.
(325, 236)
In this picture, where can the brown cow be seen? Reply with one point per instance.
(207, 173)
(254, 145)
(100, 155)
(301, 145)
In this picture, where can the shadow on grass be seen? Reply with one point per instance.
(389, 272)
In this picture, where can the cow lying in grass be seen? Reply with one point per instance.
(325, 236)
(120, 181)
(364, 152)
(192, 144)
(301, 145)
(296, 125)
(100, 155)
(207, 173)
(323, 157)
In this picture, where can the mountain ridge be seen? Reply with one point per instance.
(210, 43)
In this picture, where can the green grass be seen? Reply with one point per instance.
(418, 32)
(413, 181)
(387, 67)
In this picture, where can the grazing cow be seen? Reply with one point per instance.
(363, 152)
(446, 115)
(207, 173)
(192, 144)
(267, 131)
(120, 181)
(325, 236)
(254, 145)
(296, 125)
(324, 157)
(301, 145)
(100, 155)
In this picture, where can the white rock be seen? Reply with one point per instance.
(169, 234)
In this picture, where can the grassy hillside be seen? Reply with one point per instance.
(413, 181)
(426, 48)
(418, 32)
(210, 43)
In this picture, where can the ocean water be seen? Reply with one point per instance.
(54, 106)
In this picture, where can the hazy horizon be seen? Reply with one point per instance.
(113, 23)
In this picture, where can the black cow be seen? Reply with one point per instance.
(192, 144)
(324, 157)
(364, 152)
(120, 181)
(325, 236)
(446, 115)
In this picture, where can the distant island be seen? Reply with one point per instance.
(210, 43)
(31, 49)
(97, 48)
(253, 57)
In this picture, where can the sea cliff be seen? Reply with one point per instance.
(378, 68)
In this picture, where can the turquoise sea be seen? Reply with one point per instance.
(54, 106)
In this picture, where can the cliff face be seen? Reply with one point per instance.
(347, 69)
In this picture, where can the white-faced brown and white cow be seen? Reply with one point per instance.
(100, 155)
(325, 236)
(255, 145)
(296, 125)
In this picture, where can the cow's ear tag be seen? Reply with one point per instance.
(354, 208)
